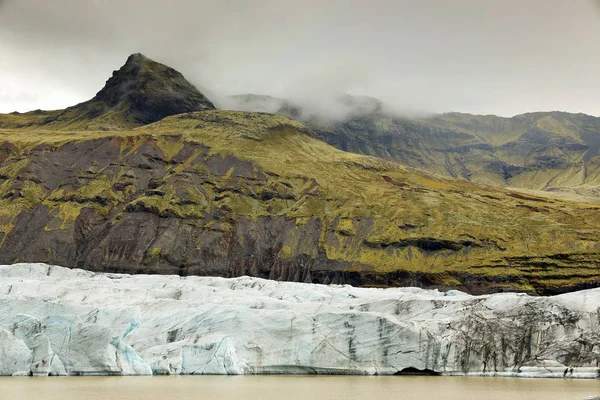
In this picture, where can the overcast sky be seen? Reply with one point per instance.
(500, 57)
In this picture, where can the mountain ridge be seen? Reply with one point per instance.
(231, 193)
(556, 152)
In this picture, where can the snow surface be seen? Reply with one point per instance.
(59, 321)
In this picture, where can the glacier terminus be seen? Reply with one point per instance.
(59, 321)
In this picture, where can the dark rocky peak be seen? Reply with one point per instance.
(151, 91)
(142, 91)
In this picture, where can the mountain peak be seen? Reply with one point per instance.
(136, 57)
(142, 91)
(151, 91)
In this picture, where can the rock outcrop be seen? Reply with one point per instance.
(149, 91)
(57, 321)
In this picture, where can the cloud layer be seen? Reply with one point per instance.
(499, 56)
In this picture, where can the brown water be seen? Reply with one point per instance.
(295, 387)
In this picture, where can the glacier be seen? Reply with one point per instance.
(60, 321)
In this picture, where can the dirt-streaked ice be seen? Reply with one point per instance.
(59, 321)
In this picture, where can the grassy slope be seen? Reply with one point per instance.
(551, 146)
(539, 151)
(377, 215)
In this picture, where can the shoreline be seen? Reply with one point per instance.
(497, 375)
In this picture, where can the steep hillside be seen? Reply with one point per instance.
(553, 151)
(233, 193)
(543, 151)
(236, 193)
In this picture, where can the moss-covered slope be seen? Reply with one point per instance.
(232, 193)
(549, 151)
(103, 186)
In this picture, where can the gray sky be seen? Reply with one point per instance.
(481, 56)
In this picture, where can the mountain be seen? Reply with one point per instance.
(141, 92)
(547, 151)
(230, 193)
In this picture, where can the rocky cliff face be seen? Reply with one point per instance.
(237, 193)
(70, 322)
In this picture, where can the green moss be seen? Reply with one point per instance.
(13, 169)
(196, 196)
(153, 254)
(346, 227)
(130, 143)
(301, 221)
(286, 252)
(68, 213)
(129, 191)
(99, 189)
(5, 229)
(218, 226)
(356, 199)
(170, 146)
(33, 194)
(166, 203)
(188, 163)
(158, 204)
(65, 214)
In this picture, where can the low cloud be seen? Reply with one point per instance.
(503, 57)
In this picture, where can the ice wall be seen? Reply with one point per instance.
(58, 321)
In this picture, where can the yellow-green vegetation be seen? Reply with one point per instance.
(32, 194)
(15, 199)
(26, 120)
(103, 185)
(165, 202)
(13, 169)
(170, 146)
(346, 227)
(154, 253)
(66, 203)
(352, 186)
(373, 215)
(555, 152)
(547, 151)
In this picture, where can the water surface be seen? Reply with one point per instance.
(295, 387)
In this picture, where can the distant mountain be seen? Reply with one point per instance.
(232, 193)
(141, 92)
(551, 151)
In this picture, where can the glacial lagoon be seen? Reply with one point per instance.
(296, 387)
